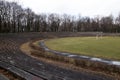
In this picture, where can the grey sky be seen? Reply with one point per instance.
(89, 8)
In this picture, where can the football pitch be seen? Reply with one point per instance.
(103, 47)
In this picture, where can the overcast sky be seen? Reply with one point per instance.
(89, 8)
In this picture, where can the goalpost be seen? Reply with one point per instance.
(99, 35)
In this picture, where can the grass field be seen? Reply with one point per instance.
(106, 47)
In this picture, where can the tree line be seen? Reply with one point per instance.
(14, 18)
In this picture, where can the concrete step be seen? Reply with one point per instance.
(19, 72)
(2, 77)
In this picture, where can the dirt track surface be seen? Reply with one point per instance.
(14, 60)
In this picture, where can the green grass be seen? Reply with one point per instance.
(107, 47)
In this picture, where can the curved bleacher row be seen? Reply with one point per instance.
(9, 57)
(14, 60)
